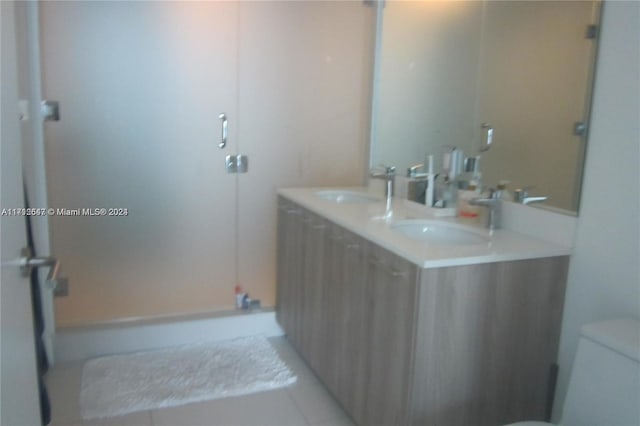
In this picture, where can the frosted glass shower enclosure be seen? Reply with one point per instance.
(141, 86)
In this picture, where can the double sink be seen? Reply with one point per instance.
(428, 231)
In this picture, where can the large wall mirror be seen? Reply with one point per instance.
(526, 67)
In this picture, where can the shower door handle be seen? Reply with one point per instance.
(488, 133)
(223, 140)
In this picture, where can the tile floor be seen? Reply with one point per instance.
(306, 402)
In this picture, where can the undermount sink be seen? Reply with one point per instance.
(436, 232)
(342, 197)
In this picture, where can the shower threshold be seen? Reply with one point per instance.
(139, 334)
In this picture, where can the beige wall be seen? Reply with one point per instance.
(604, 279)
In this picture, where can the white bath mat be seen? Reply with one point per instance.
(121, 384)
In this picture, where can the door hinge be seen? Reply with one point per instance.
(579, 128)
(592, 31)
(50, 110)
(23, 109)
(236, 163)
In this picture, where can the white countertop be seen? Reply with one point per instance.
(368, 220)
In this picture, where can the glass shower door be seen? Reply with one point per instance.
(547, 71)
(140, 87)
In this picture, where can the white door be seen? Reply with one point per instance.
(19, 384)
(140, 87)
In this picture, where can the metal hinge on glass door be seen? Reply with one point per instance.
(236, 163)
(579, 128)
(50, 110)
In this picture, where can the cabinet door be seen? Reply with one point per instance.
(326, 367)
(312, 288)
(140, 86)
(487, 337)
(348, 334)
(284, 298)
(290, 258)
(390, 309)
(336, 307)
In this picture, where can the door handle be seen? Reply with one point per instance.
(28, 262)
(488, 131)
(223, 139)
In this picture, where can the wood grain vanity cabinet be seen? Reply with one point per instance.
(397, 344)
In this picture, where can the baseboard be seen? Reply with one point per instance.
(79, 343)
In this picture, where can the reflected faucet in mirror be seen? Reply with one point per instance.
(521, 195)
(413, 171)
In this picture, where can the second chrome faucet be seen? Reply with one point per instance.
(389, 176)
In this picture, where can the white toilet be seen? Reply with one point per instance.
(604, 388)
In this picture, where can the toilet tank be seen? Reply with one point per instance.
(604, 388)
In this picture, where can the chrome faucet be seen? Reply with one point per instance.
(389, 176)
(522, 196)
(413, 170)
(493, 203)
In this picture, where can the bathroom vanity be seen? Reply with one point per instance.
(406, 332)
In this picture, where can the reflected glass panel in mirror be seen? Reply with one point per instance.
(526, 67)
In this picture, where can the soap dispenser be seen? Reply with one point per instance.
(469, 187)
(465, 208)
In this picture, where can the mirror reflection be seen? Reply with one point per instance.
(525, 68)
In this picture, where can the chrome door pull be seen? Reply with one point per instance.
(488, 129)
(57, 284)
(223, 140)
